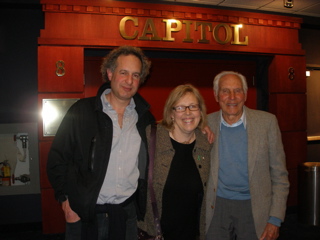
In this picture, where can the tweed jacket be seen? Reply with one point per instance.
(268, 176)
(162, 162)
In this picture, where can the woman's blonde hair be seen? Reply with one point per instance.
(174, 97)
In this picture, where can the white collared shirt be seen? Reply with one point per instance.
(122, 174)
(243, 120)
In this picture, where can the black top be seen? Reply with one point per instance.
(182, 196)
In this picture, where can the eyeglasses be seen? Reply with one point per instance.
(194, 107)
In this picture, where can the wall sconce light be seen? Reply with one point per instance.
(308, 73)
(288, 3)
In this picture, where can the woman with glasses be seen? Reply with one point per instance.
(181, 167)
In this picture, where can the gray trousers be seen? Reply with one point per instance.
(232, 220)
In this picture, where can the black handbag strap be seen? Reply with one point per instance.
(152, 148)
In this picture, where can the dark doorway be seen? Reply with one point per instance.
(170, 69)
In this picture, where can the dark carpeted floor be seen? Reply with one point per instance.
(291, 229)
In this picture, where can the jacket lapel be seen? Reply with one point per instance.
(253, 140)
(215, 153)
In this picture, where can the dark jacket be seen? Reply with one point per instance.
(79, 156)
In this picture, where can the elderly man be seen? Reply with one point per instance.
(248, 185)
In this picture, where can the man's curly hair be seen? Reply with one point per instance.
(110, 61)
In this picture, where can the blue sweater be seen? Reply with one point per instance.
(233, 181)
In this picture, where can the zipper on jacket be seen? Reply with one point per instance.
(91, 154)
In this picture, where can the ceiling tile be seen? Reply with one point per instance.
(249, 4)
(300, 7)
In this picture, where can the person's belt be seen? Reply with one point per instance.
(103, 208)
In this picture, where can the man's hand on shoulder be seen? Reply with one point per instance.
(210, 135)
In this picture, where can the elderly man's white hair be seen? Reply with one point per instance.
(216, 81)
